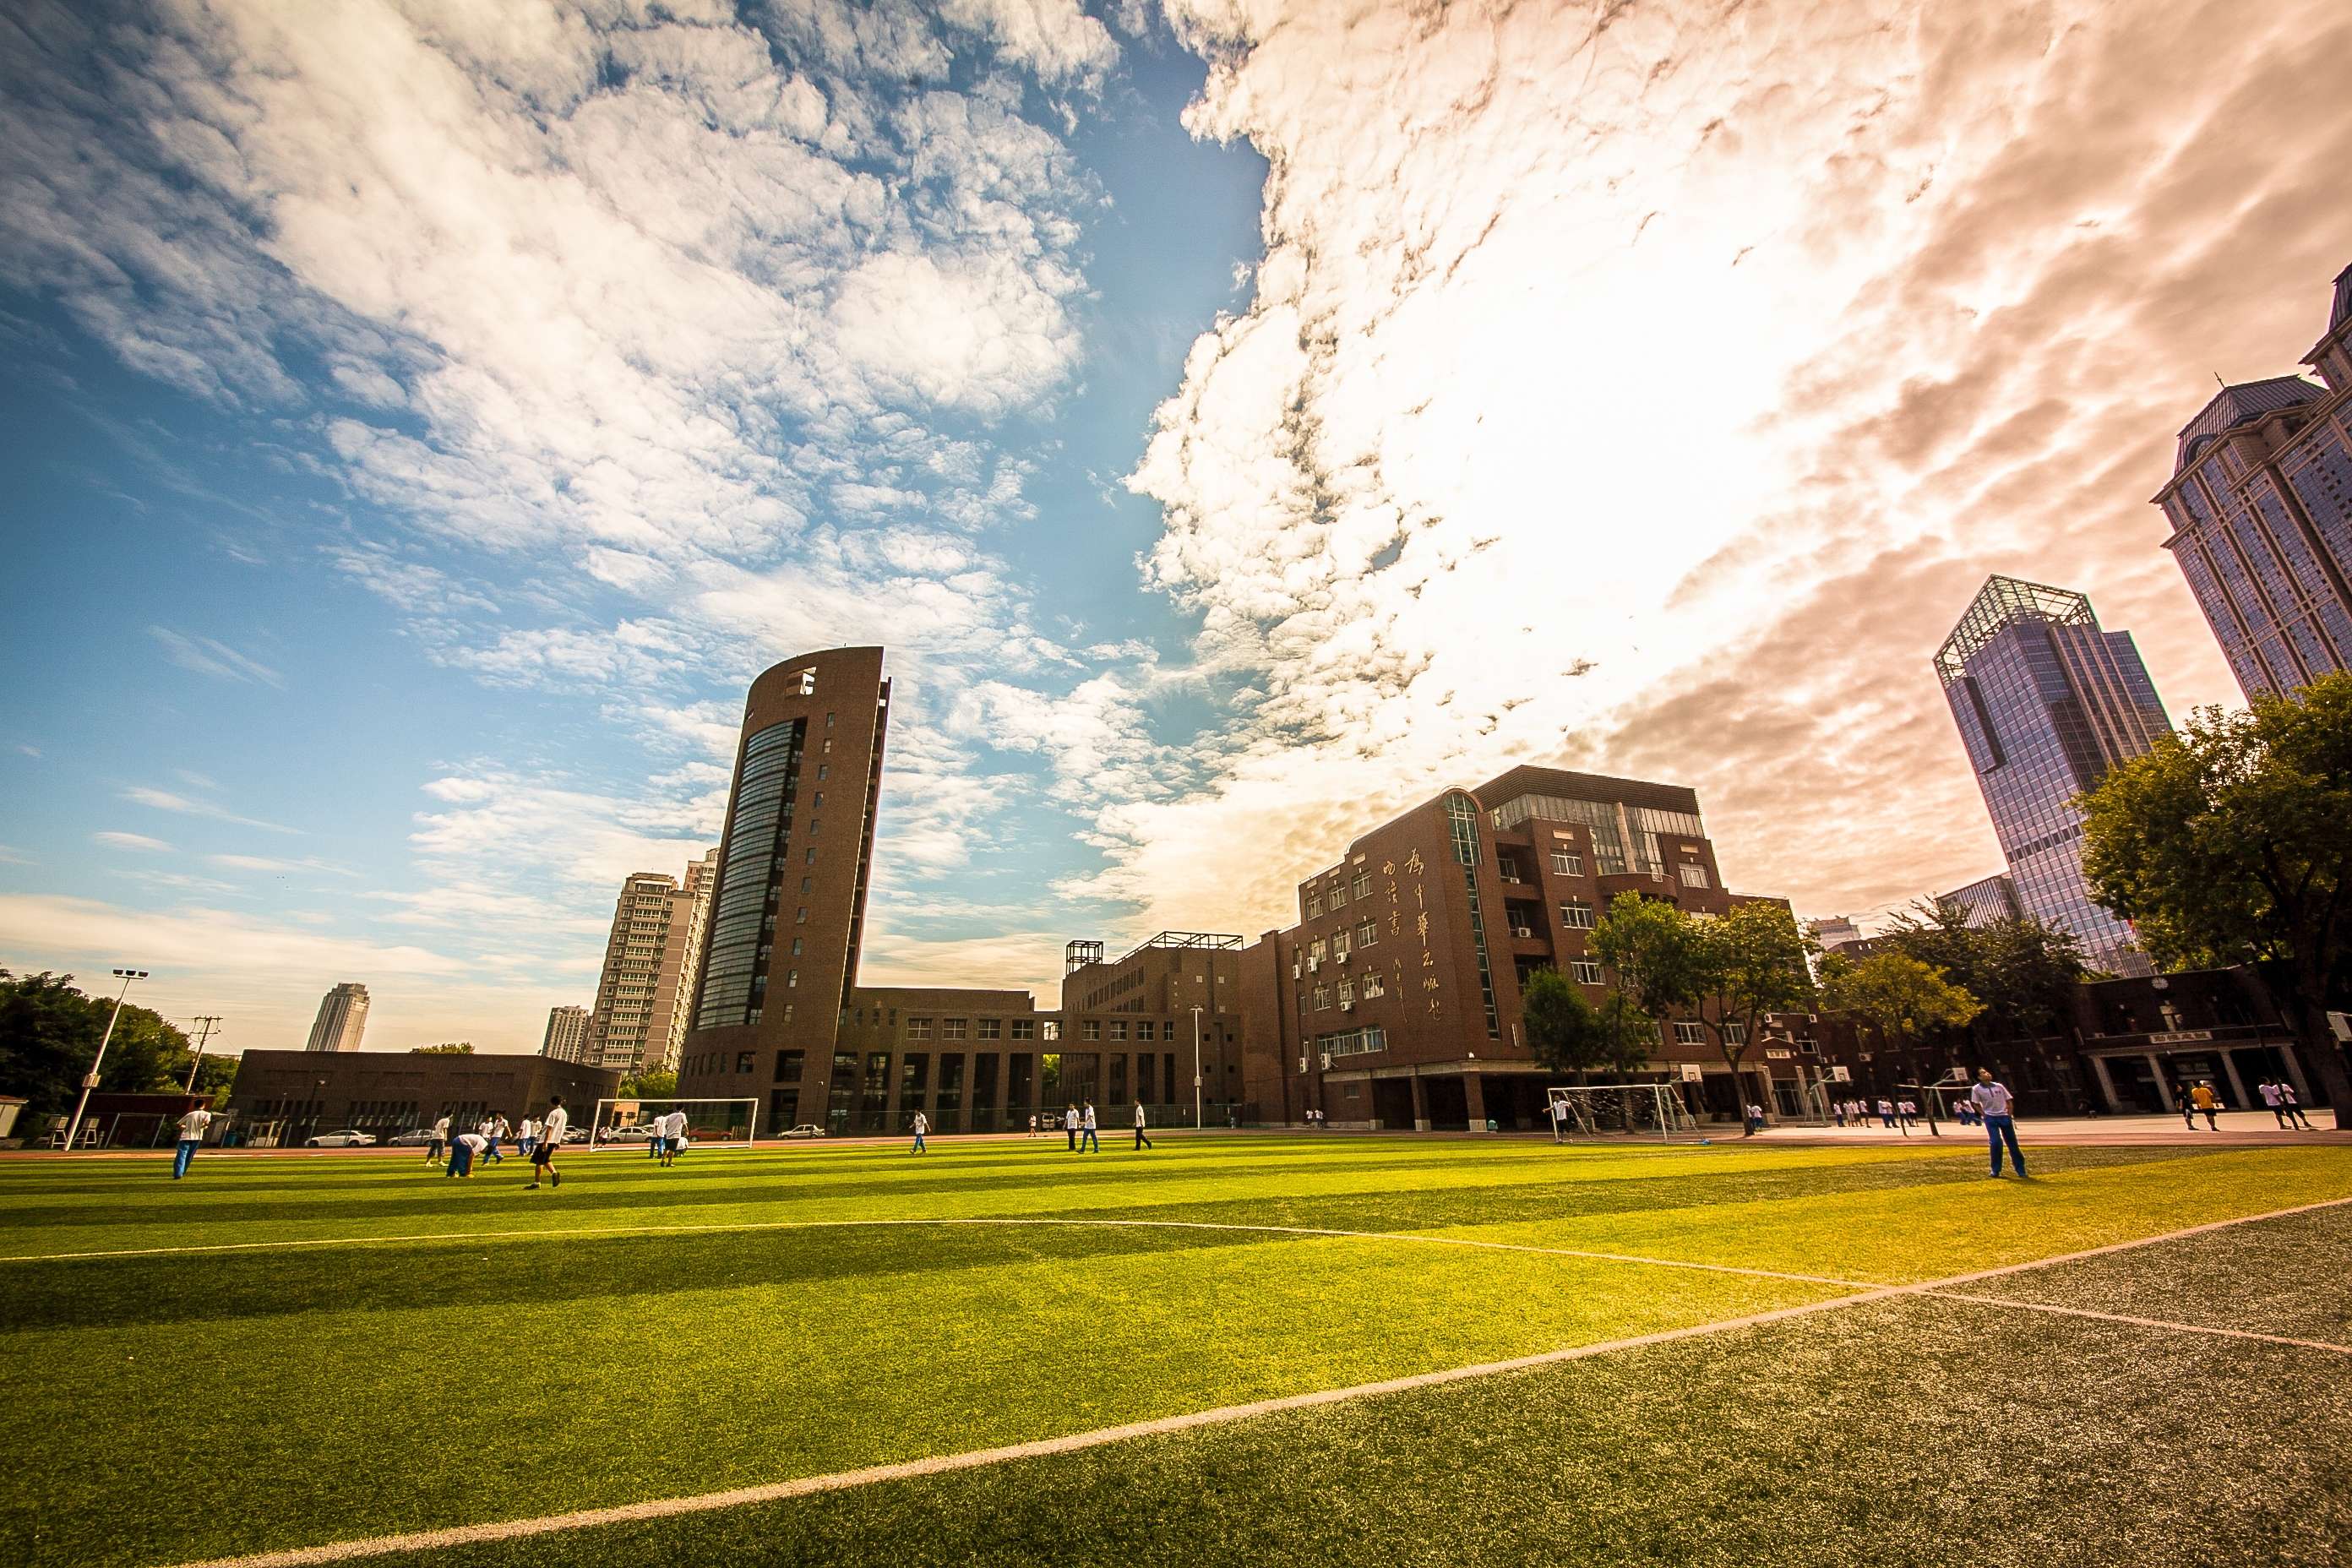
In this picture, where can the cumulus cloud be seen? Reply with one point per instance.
(1649, 388)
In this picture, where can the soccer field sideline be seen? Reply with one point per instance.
(740, 1497)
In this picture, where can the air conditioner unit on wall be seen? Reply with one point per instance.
(1327, 1061)
(1523, 931)
(1346, 1007)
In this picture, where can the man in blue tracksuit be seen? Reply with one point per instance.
(1993, 1103)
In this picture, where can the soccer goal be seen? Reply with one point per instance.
(1618, 1111)
(709, 1123)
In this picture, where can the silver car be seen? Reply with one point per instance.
(349, 1139)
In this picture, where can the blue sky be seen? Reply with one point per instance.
(424, 420)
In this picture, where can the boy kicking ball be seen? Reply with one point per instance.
(550, 1139)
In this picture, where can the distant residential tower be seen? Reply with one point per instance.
(567, 1035)
(342, 1019)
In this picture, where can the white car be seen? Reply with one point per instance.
(806, 1129)
(347, 1140)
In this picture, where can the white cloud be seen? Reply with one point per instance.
(1052, 37)
(276, 866)
(208, 657)
(164, 800)
(136, 841)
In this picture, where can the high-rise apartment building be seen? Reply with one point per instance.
(567, 1035)
(2261, 507)
(780, 949)
(2046, 703)
(651, 961)
(343, 1019)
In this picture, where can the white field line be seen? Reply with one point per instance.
(843, 1481)
(2164, 1323)
(1039, 1221)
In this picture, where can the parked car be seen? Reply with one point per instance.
(414, 1138)
(625, 1135)
(806, 1129)
(351, 1138)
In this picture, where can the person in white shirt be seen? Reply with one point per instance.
(1140, 1141)
(673, 1131)
(1070, 1126)
(191, 1132)
(525, 1135)
(462, 1152)
(440, 1140)
(491, 1133)
(1032, 1126)
(2269, 1091)
(1559, 1120)
(1090, 1141)
(2293, 1104)
(1994, 1105)
(922, 1125)
(550, 1139)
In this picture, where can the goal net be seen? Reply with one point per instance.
(1581, 1112)
(709, 1123)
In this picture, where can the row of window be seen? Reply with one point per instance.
(1367, 986)
(1336, 896)
(1339, 944)
(975, 1028)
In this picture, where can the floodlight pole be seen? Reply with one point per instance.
(209, 1021)
(90, 1078)
(1196, 1069)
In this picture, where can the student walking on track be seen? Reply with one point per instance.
(193, 1125)
(1994, 1103)
(922, 1125)
(1140, 1141)
(1090, 1141)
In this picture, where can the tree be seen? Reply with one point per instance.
(1752, 962)
(650, 1086)
(448, 1048)
(2022, 970)
(1899, 998)
(1568, 1034)
(49, 1033)
(2231, 841)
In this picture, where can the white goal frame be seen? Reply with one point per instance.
(600, 1128)
(1667, 1114)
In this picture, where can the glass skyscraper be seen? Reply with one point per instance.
(2261, 505)
(2046, 703)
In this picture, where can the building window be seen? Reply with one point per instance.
(1322, 999)
(1314, 905)
(918, 1028)
(952, 1029)
(1316, 949)
(742, 1061)
(789, 1065)
(990, 1029)
(1118, 1029)
(1144, 1029)
(792, 978)
(1694, 876)
(1372, 986)
(1689, 1034)
(1366, 933)
(1576, 915)
(1567, 863)
(1339, 945)
(1347, 993)
(1362, 886)
(1024, 1029)
(1339, 899)
(1091, 1029)
(1735, 1034)
(800, 919)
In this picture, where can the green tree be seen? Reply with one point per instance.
(2022, 970)
(1752, 962)
(1568, 1034)
(2231, 842)
(650, 1086)
(1654, 953)
(1899, 998)
(49, 1033)
(447, 1049)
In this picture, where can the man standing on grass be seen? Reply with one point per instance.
(493, 1128)
(191, 1132)
(526, 1136)
(2292, 1103)
(1558, 1120)
(1993, 1103)
(1090, 1141)
(1140, 1141)
(922, 1125)
(673, 1137)
(440, 1140)
(550, 1139)
(1070, 1126)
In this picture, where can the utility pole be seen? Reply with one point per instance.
(90, 1078)
(210, 1021)
(1196, 1069)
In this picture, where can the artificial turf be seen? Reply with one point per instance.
(468, 1352)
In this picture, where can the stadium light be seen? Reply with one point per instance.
(90, 1078)
(1196, 1069)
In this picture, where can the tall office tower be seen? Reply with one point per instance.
(343, 1019)
(567, 1035)
(2261, 507)
(2047, 703)
(780, 949)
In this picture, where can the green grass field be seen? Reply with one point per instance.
(290, 1353)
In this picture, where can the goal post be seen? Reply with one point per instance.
(1588, 1112)
(630, 1123)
